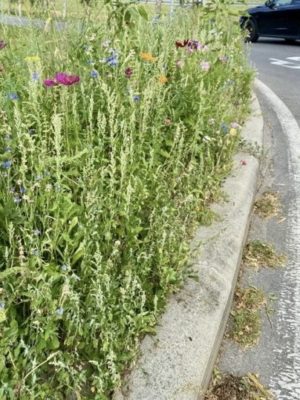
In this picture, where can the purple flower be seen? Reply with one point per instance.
(49, 82)
(235, 125)
(65, 79)
(59, 311)
(2, 305)
(94, 73)
(13, 96)
(6, 164)
(22, 190)
(136, 98)
(2, 44)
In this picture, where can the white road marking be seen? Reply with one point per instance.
(285, 63)
(286, 383)
(293, 58)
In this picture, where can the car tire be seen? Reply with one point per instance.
(290, 41)
(252, 35)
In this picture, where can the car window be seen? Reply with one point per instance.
(283, 2)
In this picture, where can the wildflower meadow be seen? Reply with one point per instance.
(114, 140)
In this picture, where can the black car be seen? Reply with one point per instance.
(277, 18)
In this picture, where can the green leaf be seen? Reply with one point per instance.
(143, 13)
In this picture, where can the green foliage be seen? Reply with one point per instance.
(100, 183)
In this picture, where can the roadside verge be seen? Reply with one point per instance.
(177, 362)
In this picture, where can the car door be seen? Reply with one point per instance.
(276, 19)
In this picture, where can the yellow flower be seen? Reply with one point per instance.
(163, 79)
(32, 59)
(233, 132)
(148, 57)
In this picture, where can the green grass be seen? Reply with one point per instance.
(246, 320)
(100, 184)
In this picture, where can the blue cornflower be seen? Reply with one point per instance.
(6, 164)
(94, 73)
(136, 98)
(22, 189)
(64, 268)
(112, 60)
(2, 305)
(224, 128)
(17, 200)
(35, 252)
(13, 96)
(35, 76)
(59, 311)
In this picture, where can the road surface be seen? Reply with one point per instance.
(276, 358)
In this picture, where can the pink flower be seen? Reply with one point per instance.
(50, 82)
(205, 66)
(235, 125)
(243, 162)
(65, 79)
(61, 78)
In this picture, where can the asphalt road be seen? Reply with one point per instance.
(278, 66)
(276, 357)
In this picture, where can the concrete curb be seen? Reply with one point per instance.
(176, 363)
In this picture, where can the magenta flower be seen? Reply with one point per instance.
(66, 79)
(2, 44)
(61, 78)
(50, 82)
